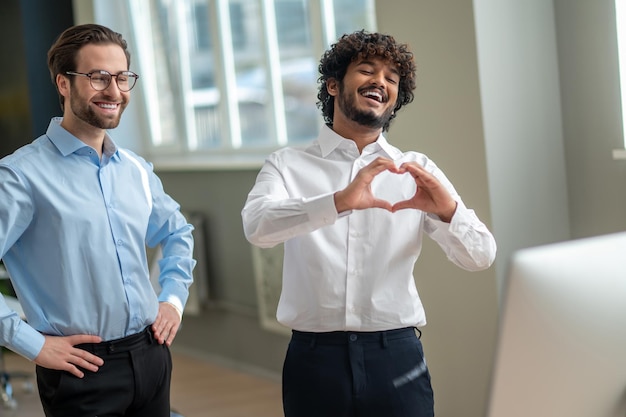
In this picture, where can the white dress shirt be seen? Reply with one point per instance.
(352, 270)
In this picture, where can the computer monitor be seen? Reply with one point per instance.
(561, 348)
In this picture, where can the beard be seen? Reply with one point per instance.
(84, 112)
(346, 103)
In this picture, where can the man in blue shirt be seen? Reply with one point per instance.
(76, 214)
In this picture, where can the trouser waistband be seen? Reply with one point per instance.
(124, 344)
(345, 337)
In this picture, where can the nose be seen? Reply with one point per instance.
(378, 79)
(112, 93)
(113, 88)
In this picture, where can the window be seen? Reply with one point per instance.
(224, 77)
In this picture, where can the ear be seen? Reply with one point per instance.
(332, 86)
(63, 85)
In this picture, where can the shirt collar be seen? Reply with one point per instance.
(67, 143)
(329, 141)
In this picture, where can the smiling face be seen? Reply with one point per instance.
(89, 109)
(367, 94)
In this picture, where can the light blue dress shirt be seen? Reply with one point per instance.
(73, 233)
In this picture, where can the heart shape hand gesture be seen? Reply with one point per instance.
(430, 195)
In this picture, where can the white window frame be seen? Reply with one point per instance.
(184, 154)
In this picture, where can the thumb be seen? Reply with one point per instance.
(383, 204)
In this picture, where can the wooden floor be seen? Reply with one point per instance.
(200, 388)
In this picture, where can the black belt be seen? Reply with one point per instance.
(125, 344)
(345, 337)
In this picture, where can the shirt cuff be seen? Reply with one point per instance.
(28, 342)
(322, 209)
(463, 217)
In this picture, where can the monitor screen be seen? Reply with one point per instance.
(561, 348)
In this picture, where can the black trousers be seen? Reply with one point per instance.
(133, 382)
(356, 374)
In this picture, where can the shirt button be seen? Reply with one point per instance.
(353, 337)
(120, 242)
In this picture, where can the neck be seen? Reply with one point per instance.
(91, 136)
(360, 134)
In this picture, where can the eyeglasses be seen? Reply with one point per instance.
(100, 79)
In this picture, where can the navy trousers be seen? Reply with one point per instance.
(356, 374)
(133, 382)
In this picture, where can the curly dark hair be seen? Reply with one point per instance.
(361, 45)
(62, 54)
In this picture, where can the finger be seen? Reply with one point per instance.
(83, 338)
(156, 327)
(88, 366)
(381, 160)
(379, 165)
(401, 205)
(162, 337)
(76, 363)
(171, 336)
(158, 324)
(383, 204)
(387, 164)
(156, 333)
(416, 170)
(74, 371)
(87, 360)
(406, 166)
(368, 173)
(160, 334)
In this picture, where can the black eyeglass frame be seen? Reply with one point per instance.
(129, 74)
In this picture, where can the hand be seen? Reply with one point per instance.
(430, 196)
(358, 194)
(166, 324)
(59, 353)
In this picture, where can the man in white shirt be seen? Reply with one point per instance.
(351, 210)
